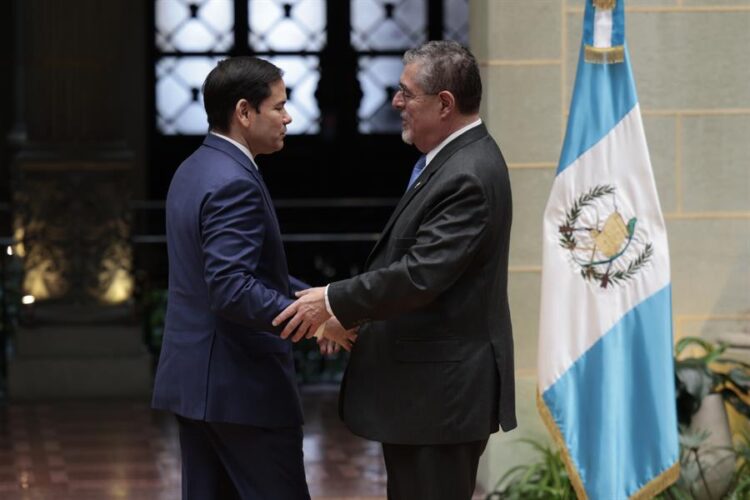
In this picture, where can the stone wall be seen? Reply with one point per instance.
(691, 69)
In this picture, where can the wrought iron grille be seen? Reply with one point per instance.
(378, 77)
(456, 21)
(179, 100)
(388, 25)
(192, 35)
(277, 25)
(194, 26)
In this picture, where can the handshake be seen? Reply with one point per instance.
(308, 316)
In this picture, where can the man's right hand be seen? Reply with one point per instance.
(305, 315)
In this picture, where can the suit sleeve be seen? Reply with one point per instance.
(446, 242)
(297, 285)
(233, 227)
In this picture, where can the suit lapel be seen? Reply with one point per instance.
(459, 142)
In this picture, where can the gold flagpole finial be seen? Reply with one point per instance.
(605, 55)
(604, 4)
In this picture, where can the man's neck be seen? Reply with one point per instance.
(451, 127)
(460, 122)
(238, 142)
(232, 134)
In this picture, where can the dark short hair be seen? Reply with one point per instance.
(448, 65)
(234, 79)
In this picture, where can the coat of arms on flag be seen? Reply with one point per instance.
(605, 362)
(598, 238)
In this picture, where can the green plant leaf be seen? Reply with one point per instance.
(740, 378)
(737, 403)
(734, 362)
(544, 479)
(685, 342)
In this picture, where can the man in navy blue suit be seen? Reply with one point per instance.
(223, 369)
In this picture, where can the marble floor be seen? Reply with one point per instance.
(86, 450)
(124, 450)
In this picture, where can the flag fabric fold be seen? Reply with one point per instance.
(606, 378)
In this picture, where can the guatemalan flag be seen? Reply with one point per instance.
(606, 378)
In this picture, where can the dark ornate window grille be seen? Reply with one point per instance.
(287, 26)
(378, 76)
(192, 35)
(179, 102)
(194, 26)
(381, 31)
(387, 25)
(456, 21)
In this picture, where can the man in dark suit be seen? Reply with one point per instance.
(223, 370)
(431, 375)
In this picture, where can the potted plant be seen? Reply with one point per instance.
(704, 384)
(693, 478)
(545, 479)
(712, 373)
(710, 466)
(741, 486)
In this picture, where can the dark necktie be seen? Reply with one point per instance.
(418, 167)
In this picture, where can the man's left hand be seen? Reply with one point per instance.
(327, 347)
(307, 313)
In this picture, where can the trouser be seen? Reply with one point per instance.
(230, 461)
(435, 472)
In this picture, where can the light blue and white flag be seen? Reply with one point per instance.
(606, 377)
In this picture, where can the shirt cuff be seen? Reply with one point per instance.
(328, 304)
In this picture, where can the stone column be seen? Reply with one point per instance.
(518, 46)
(72, 181)
(72, 185)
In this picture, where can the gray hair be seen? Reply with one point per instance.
(447, 65)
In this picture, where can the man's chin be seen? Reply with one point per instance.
(406, 137)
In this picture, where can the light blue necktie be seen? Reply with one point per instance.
(418, 167)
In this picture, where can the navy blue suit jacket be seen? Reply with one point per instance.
(221, 360)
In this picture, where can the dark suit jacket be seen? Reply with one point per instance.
(221, 360)
(434, 359)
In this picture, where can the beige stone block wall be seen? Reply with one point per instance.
(692, 74)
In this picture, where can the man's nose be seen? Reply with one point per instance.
(397, 101)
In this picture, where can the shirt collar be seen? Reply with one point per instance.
(434, 151)
(239, 146)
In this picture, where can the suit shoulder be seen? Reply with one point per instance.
(481, 163)
(487, 148)
(211, 167)
(206, 174)
(479, 158)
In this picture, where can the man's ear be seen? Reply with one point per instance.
(244, 112)
(447, 102)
